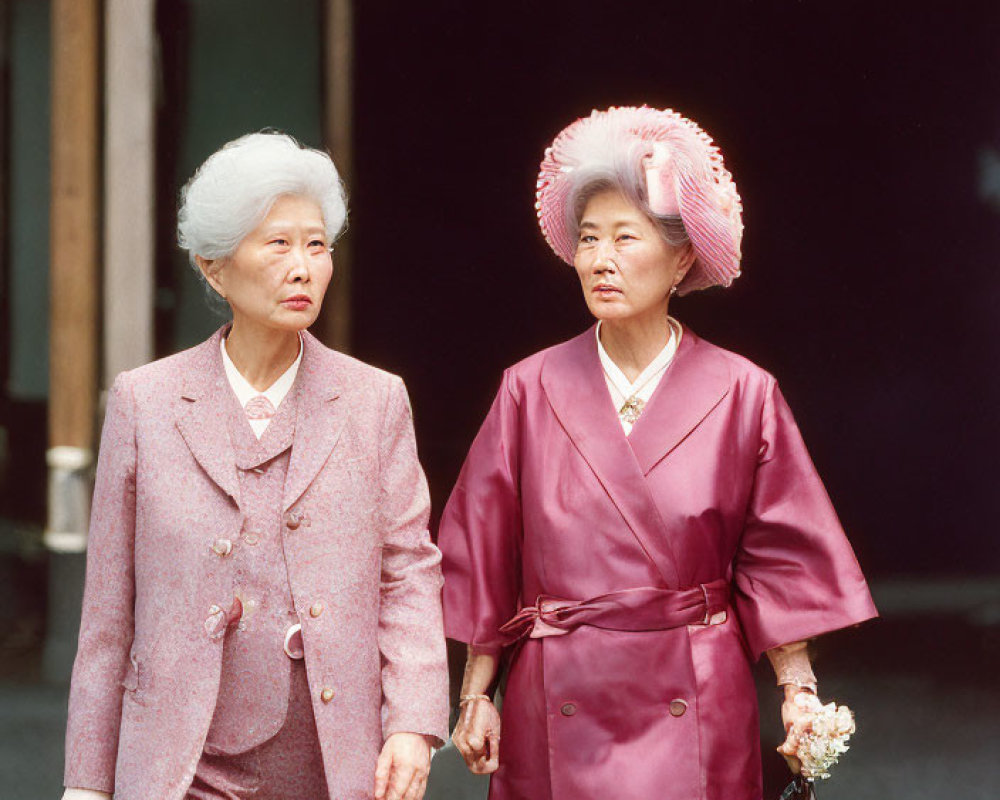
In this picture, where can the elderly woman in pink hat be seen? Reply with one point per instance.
(638, 518)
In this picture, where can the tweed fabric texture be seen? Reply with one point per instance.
(290, 765)
(149, 662)
(253, 687)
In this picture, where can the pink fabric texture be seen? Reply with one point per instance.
(289, 765)
(355, 512)
(684, 172)
(713, 485)
(256, 672)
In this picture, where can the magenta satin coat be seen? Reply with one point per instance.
(147, 671)
(714, 482)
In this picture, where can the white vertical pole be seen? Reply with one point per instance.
(129, 174)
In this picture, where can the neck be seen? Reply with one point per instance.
(633, 343)
(260, 355)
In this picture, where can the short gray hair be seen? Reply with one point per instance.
(231, 193)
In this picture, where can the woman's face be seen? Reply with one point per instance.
(625, 267)
(279, 273)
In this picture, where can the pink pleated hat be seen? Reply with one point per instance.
(684, 175)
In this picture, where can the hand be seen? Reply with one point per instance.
(402, 768)
(791, 717)
(85, 794)
(477, 736)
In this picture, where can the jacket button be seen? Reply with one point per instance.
(251, 537)
(326, 695)
(316, 609)
(222, 547)
(292, 520)
(568, 709)
(678, 707)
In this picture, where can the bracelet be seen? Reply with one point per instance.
(807, 686)
(468, 698)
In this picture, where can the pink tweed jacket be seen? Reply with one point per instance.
(355, 506)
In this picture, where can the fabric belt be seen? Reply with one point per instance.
(642, 609)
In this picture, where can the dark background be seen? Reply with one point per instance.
(858, 134)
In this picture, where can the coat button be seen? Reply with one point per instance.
(292, 520)
(326, 695)
(222, 547)
(316, 609)
(251, 537)
(678, 707)
(568, 709)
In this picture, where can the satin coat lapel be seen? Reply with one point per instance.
(689, 391)
(320, 419)
(574, 384)
(203, 421)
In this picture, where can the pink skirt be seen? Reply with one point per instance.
(289, 765)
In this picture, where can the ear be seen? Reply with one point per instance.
(211, 268)
(686, 261)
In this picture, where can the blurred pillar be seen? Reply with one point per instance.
(338, 65)
(73, 315)
(129, 147)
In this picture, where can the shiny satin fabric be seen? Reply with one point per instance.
(649, 608)
(714, 483)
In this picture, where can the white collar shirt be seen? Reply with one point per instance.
(642, 388)
(275, 393)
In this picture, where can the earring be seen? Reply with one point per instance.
(673, 290)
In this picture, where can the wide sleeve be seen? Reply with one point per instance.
(795, 572)
(107, 625)
(480, 533)
(410, 637)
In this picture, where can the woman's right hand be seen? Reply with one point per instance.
(477, 735)
(85, 794)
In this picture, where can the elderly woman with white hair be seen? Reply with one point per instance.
(262, 613)
(638, 518)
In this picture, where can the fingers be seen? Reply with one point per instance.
(382, 769)
(477, 736)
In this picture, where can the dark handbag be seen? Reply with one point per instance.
(799, 789)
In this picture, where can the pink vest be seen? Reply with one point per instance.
(254, 685)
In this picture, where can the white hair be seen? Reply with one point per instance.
(626, 177)
(231, 193)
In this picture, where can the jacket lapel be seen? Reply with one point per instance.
(320, 418)
(203, 419)
(689, 391)
(573, 382)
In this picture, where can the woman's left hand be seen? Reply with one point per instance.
(791, 714)
(403, 767)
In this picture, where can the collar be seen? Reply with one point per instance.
(655, 367)
(275, 393)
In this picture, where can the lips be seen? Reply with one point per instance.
(606, 288)
(297, 302)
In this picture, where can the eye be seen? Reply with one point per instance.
(626, 237)
(318, 243)
(279, 241)
(587, 238)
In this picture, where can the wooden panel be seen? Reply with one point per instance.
(74, 209)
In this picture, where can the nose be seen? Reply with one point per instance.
(604, 259)
(298, 268)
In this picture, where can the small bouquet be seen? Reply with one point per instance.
(819, 737)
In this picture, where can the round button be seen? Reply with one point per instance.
(568, 709)
(316, 609)
(678, 707)
(222, 547)
(292, 520)
(326, 695)
(251, 537)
